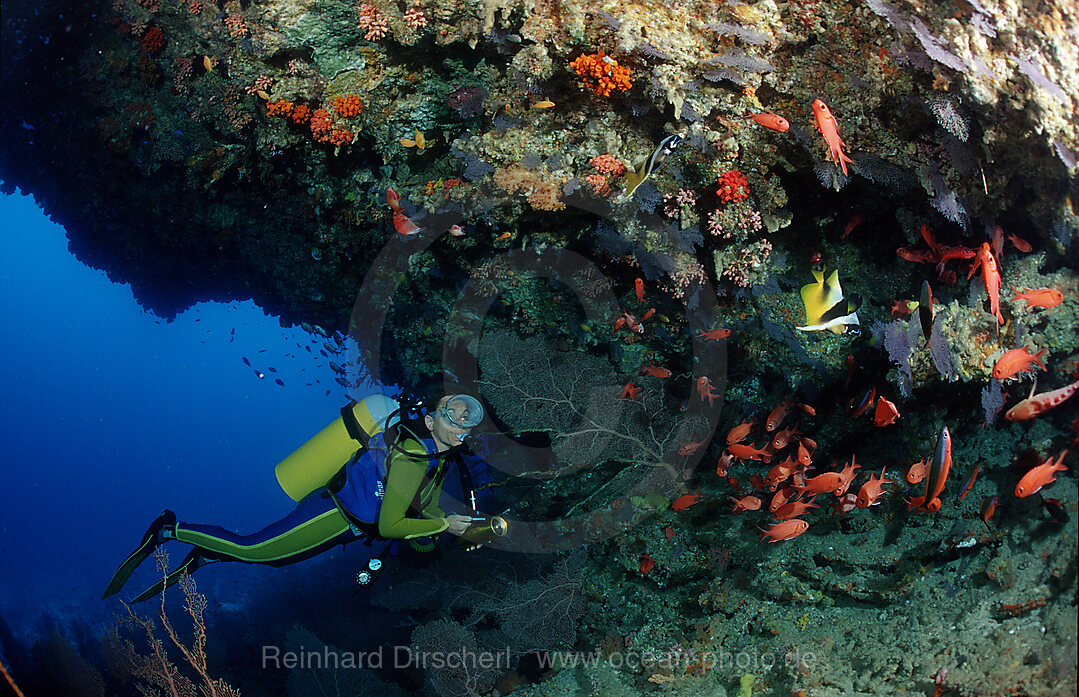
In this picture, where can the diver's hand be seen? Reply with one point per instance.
(457, 524)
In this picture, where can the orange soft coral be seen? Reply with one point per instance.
(347, 105)
(601, 73)
(301, 113)
(607, 164)
(280, 108)
(321, 124)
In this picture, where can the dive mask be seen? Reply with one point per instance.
(462, 411)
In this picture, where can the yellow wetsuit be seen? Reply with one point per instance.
(404, 480)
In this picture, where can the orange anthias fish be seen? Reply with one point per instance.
(704, 389)
(655, 371)
(768, 120)
(793, 509)
(1039, 297)
(746, 503)
(647, 563)
(776, 416)
(631, 391)
(781, 498)
(851, 224)
(638, 286)
(847, 476)
(1035, 405)
(404, 225)
(822, 483)
(739, 432)
(871, 491)
(1019, 243)
(779, 473)
(1042, 475)
(988, 507)
(783, 437)
(787, 530)
(686, 500)
(714, 334)
(829, 128)
(690, 447)
(886, 413)
(1016, 361)
(991, 276)
(916, 473)
(747, 452)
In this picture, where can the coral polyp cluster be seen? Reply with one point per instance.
(601, 74)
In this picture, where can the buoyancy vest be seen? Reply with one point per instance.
(364, 484)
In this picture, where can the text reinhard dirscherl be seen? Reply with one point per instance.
(469, 660)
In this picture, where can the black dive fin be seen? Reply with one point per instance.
(191, 562)
(150, 541)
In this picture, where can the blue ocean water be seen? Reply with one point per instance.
(109, 414)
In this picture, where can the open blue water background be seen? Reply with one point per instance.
(109, 414)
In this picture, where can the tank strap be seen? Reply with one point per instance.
(355, 431)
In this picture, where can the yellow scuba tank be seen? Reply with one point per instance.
(319, 459)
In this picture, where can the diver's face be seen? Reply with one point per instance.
(445, 433)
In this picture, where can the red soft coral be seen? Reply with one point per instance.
(732, 186)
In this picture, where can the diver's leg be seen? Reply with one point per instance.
(159, 531)
(314, 526)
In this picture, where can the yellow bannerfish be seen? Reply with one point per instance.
(419, 142)
(826, 307)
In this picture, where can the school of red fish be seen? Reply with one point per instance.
(789, 482)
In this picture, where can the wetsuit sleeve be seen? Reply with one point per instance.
(403, 481)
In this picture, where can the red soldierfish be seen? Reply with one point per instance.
(1016, 361)
(404, 225)
(1042, 475)
(1019, 243)
(704, 389)
(991, 276)
(690, 447)
(772, 121)
(1039, 297)
(871, 491)
(829, 128)
(686, 500)
(886, 413)
(786, 530)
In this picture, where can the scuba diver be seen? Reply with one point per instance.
(387, 490)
